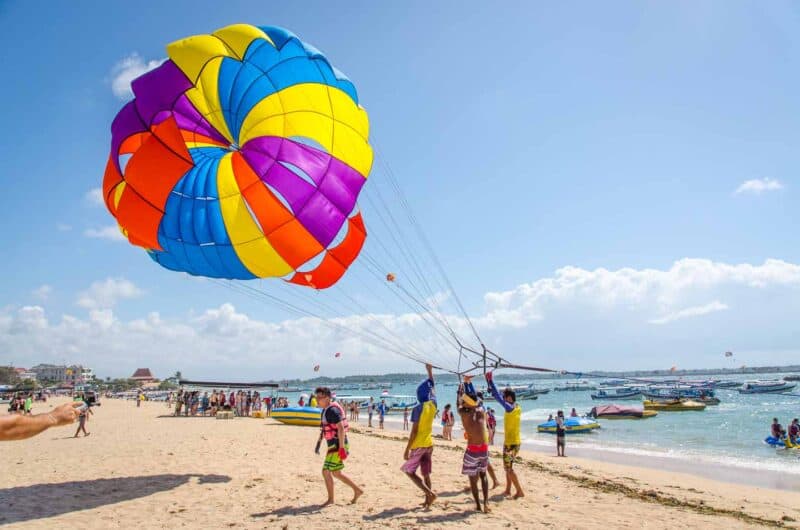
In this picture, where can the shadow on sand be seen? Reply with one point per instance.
(26, 503)
(290, 510)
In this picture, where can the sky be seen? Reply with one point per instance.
(610, 187)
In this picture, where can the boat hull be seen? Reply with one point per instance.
(303, 416)
(645, 414)
(571, 426)
(683, 406)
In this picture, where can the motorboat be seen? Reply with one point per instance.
(572, 425)
(615, 393)
(304, 416)
(766, 387)
(728, 384)
(676, 405)
(621, 412)
(575, 386)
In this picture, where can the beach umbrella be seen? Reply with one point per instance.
(242, 156)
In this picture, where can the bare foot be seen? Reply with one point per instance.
(519, 495)
(329, 502)
(486, 508)
(507, 494)
(358, 493)
(496, 484)
(87, 434)
(429, 500)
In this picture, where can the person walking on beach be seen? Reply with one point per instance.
(476, 456)
(83, 417)
(333, 430)
(370, 409)
(561, 434)
(381, 413)
(405, 419)
(512, 439)
(448, 420)
(419, 449)
(28, 404)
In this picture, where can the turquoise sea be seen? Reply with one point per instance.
(728, 435)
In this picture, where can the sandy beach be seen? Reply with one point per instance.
(143, 468)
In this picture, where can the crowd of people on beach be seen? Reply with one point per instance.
(194, 403)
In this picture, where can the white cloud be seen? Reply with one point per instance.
(690, 312)
(61, 227)
(43, 292)
(641, 290)
(759, 186)
(576, 319)
(94, 196)
(105, 294)
(127, 70)
(112, 233)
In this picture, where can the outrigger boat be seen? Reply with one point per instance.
(615, 393)
(677, 405)
(766, 387)
(621, 412)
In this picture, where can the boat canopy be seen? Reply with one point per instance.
(617, 410)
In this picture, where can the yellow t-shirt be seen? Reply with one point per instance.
(511, 421)
(424, 423)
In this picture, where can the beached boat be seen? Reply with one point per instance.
(305, 416)
(766, 387)
(677, 405)
(621, 412)
(616, 393)
(572, 425)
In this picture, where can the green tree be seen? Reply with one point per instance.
(8, 376)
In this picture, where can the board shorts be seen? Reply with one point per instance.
(510, 455)
(476, 460)
(332, 460)
(561, 440)
(421, 458)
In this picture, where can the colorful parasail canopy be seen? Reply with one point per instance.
(241, 157)
(338, 354)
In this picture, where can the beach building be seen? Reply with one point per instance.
(24, 373)
(78, 375)
(143, 375)
(50, 372)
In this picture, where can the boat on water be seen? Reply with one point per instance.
(529, 392)
(676, 405)
(575, 386)
(728, 384)
(615, 393)
(766, 387)
(779, 443)
(613, 382)
(304, 416)
(398, 402)
(621, 412)
(572, 425)
(792, 378)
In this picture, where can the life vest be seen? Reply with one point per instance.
(330, 430)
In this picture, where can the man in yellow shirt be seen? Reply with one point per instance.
(511, 428)
(419, 449)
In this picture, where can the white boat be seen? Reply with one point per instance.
(766, 387)
(616, 393)
(575, 386)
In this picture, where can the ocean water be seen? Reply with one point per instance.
(729, 434)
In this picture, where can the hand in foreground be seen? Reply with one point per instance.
(316, 448)
(66, 413)
(489, 376)
(342, 454)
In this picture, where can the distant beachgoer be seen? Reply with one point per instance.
(512, 440)
(381, 413)
(333, 430)
(491, 425)
(561, 434)
(405, 419)
(301, 402)
(794, 431)
(312, 402)
(28, 404)
(573, 414)
(178, 403)
(550, 417)
(268, 403)
(232, 402)
(370, 410)
(777, 429)
(83, 417)
(419, 449)
(476, 456)
(213, 402)
(139, 399)
(448, 421)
